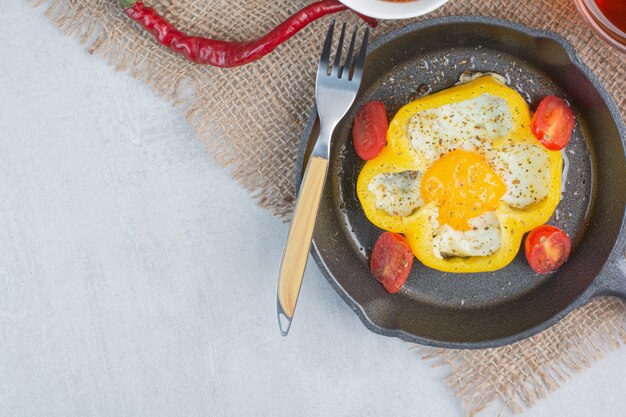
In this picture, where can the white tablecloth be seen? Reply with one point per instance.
(137, 279)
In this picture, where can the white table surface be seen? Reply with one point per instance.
(138, 279)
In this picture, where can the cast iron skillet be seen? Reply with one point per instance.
(485, 309)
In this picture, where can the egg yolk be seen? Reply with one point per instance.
(463, 186)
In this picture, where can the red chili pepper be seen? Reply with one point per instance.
(225, 53)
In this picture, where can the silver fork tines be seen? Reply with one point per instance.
(337, 69)
(350, 52)
(337, 84)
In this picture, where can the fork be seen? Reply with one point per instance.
(336, 87)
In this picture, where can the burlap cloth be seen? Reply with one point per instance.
(250, 119)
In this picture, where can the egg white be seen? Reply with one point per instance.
(525, 169)
(482, 239)
(398, 194)
(466, 125)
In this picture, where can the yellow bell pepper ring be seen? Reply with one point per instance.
(399, 155)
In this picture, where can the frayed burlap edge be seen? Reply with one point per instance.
(517, 375)
(530, 369)
(182, 91)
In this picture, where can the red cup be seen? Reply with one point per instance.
(607, 18)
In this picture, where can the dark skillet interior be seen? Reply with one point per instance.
(483, 309)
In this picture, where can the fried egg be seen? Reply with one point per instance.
(468, 166)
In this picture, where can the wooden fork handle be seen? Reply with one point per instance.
(298, 242)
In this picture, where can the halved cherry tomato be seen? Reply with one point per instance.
(552, 123)
(392, 260)
(547, 248)
(369, 133)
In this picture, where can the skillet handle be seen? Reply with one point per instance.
(612, 278)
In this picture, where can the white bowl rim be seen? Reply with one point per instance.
(382, 9)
